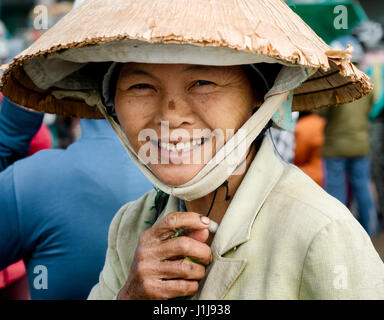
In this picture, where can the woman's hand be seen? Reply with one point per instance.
(159, 270)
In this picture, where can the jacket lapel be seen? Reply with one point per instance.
(220, 276)
(235, 228)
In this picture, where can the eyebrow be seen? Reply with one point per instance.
(141, 72)
(137, 72)
(198, 68)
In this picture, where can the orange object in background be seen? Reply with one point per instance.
(309, 137)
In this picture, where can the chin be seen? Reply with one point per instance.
(176, 175)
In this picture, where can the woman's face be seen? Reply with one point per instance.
(177, 116)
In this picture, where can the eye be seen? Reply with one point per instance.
(142, 86)
(200, 83)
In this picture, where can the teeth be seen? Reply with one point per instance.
(171, 146)
(181, 146)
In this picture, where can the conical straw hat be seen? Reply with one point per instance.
(57, 74)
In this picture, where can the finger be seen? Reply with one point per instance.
(175, 221)
(186, 247)
(179, 288)
(181, 269)
(198, 235)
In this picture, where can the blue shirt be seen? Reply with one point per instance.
(17, 128)
(56, 207)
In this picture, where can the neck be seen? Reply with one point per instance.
(220, 204)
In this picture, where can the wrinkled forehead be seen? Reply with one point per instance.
(148, 69)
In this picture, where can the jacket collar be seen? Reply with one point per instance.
(235, 228)
(262, 175)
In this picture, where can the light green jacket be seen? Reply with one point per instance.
(282, 237)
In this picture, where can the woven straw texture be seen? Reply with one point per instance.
(263, 27)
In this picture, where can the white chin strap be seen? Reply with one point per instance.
(225, 162)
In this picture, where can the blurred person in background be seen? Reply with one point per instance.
(346, 149)
(4, 49)
(284, 140)
(370, 34)
(67, 130)
(309, 138)
(57, 204)
(42, 140)
(13, 280)
(376, 116)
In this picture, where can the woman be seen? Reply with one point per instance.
(190, 100)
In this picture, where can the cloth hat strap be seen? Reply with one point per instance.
(226, 160)
(221, 166)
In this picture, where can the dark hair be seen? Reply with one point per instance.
(259, 86)
(109, 102)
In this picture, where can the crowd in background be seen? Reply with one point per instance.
(341, 148)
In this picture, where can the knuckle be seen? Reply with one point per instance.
(200, 272)
(184, 245)
(194, 286)
(207, 251)
(147, 288)
(172, 220)
(141, 255)
(189, 287)
(185, 268)
(141, 271)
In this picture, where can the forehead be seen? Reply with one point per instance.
(150, 69)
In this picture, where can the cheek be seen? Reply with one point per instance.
(224, 112)
(132, 117)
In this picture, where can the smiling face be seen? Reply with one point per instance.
(183, 107)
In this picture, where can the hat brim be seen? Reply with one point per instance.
(267, 31)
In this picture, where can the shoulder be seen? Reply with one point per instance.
(323, 237)
(298, 209)
(7, 187)
(299, 192)
(41, 166)
(44, 159)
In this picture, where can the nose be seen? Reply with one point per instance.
(177, 111)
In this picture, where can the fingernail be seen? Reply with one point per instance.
(205, 220)
(213, 227)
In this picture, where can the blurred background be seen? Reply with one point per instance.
(338, 22)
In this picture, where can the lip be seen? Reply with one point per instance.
(181, 139)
